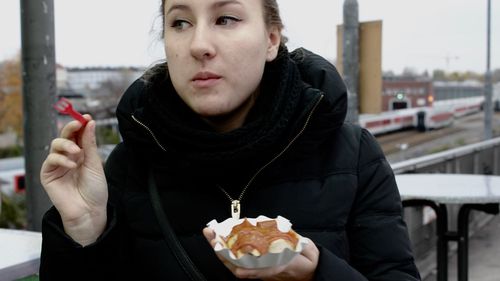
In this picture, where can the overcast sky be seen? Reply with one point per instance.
(421, 34)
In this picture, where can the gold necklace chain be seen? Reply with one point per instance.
(236, 203)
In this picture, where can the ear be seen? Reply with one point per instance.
(274, 41)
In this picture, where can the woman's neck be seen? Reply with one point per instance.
(232, 120)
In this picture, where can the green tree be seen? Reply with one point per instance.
(439, 75)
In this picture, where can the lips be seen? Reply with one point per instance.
(205, 79)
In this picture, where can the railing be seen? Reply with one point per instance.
(477, 158)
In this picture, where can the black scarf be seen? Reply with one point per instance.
(193, 146)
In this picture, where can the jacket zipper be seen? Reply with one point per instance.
(150, 132)
(235, 204)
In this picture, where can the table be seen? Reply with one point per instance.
(472, 192)
(19, 254)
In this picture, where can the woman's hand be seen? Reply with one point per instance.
(73, 177)
(301, 268)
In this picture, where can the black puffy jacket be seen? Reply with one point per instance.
(330, 179)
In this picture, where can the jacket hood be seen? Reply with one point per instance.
(321, 76)
(318, 76)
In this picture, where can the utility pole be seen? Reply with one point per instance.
(488, 106)
(351, 57)
(39, 93)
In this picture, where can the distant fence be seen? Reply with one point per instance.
(478, 158)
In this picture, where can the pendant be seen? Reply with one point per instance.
(235, 209)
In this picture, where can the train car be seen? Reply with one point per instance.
(389, 121)
(462, 106)
(440, 114)
(435, 117)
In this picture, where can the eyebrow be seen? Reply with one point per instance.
(216, 5)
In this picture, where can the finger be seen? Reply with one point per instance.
(209, 235)
(227, 264)
(89, 144)
(55, 161)
(261, 273)
(61, 145)
(310, 251)
(243, 273)
(69, 130)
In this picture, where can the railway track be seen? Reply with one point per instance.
(392, 143)
(396, 137)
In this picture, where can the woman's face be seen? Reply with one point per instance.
(216, 52)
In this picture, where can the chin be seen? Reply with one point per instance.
(211, 112)
(211, 109)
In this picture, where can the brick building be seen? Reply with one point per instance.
(406, 92)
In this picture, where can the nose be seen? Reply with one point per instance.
(202, 47)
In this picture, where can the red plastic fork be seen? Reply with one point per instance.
(64, 106)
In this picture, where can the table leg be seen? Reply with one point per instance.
(463, 243)
(463, 235)
(442, 242)
(442, 234)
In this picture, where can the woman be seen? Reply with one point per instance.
(232, 116)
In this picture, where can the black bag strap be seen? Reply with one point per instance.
(169, 236)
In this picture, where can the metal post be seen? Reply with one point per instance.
(39, 91)
(351, 57)
(477, 162)
(463, 243)
(496, 160)
(457, 166)
(463, 235)
(442, 242)
(488, 106)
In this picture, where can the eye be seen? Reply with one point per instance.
(227, 20)
(180, 24)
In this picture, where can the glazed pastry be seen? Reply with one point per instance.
(257, 240)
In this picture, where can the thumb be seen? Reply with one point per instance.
(311, 251)
(89, 144)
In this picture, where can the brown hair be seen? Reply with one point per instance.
(272, 17)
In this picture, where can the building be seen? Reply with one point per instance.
(399, 92)
(95, 90)
(91, 79)
(447, 90)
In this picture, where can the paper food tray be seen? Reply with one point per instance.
(223, 229)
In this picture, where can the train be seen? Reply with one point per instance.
(438, 115)
(423, 104)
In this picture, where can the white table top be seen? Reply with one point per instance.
(19, 253)
(450, 188)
